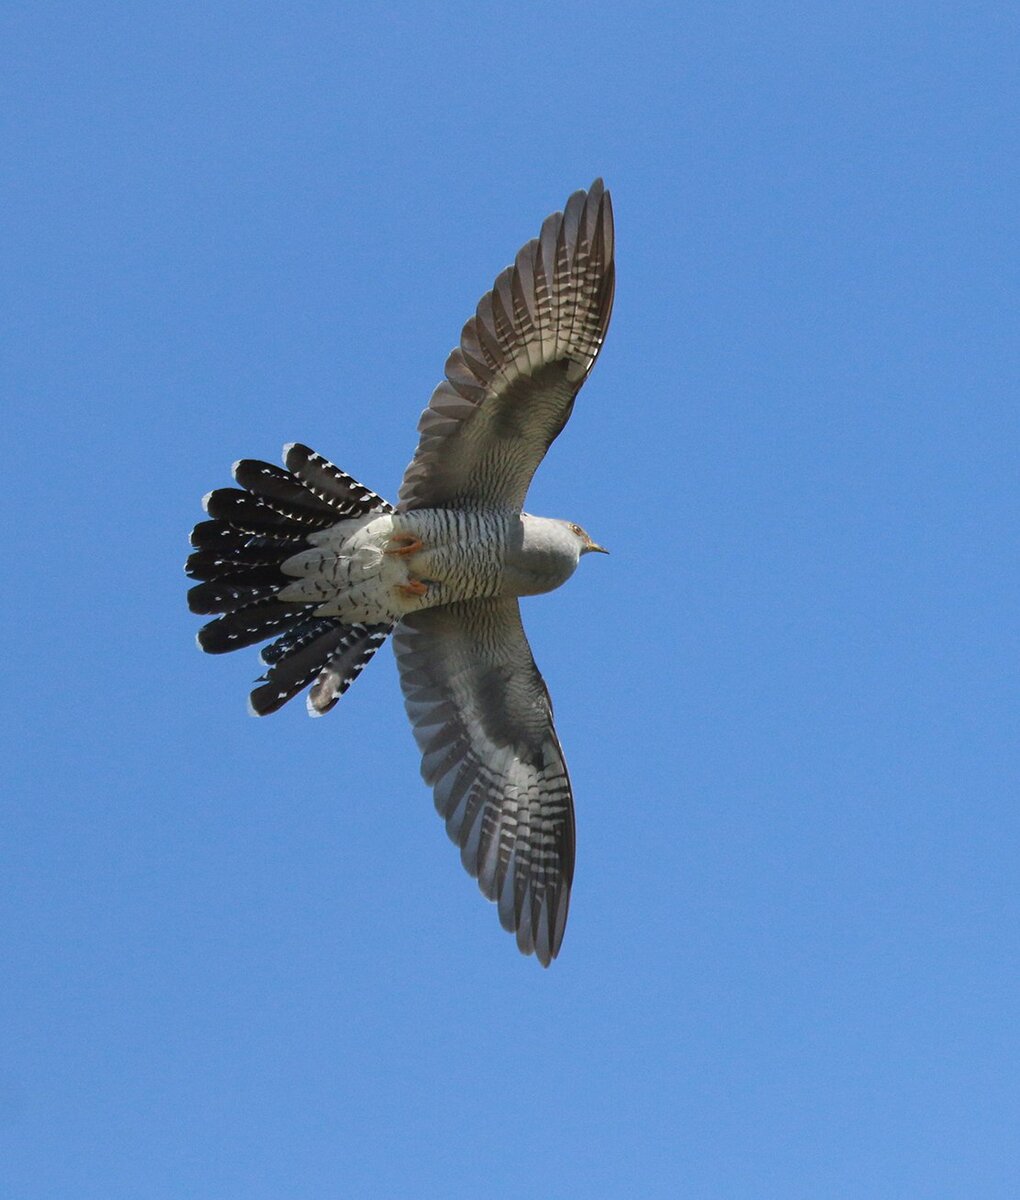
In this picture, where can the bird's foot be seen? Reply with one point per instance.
(413, 589)
(403, 543)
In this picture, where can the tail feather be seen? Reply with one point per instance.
(231, 596)
(331, 485)
(249, 513)
(252, 624)
(294, 671)
(238, 557)
(221, 535)
(333, 659)
(345, 664)
(296, 638)
(235, 560)
(282, 492)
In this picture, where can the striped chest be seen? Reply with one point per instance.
(462, 553)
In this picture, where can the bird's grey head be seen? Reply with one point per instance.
(544, 553)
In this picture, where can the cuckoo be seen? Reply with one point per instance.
(324, 570)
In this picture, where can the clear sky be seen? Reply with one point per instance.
(240, 958)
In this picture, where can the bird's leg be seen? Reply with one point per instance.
(404, 543)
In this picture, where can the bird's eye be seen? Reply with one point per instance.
(577, 529)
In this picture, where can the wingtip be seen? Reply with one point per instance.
(543, 951)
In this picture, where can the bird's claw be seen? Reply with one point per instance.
(403, 543)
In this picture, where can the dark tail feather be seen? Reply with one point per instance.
(332, 658)
(238, 557)
(295, 638)
(344, 665)
(251, 624)
(210, 564)
(221, 535)
(285, 494)
(251, 514)
(331, 485)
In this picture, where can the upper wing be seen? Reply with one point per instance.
(522, 358)
(483, 721)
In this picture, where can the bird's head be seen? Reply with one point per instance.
(544, 554)
(587, 545)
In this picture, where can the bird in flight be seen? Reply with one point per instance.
(324, 570)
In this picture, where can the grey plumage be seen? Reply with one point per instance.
(511, 383)
(313, 559)
(483, 721)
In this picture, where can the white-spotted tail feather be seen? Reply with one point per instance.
(239, 552)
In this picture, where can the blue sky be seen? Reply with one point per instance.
(240, 958)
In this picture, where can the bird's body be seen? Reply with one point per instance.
(383, 567)
(327, 569)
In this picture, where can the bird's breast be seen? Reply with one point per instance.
(462, 552)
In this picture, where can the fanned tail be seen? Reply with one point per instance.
(239, 551)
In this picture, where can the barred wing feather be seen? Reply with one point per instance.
(483, 722)
(523, 356)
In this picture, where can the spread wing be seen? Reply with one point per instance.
(522, 358)
(483, 721)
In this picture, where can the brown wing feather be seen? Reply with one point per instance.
(522, 358)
